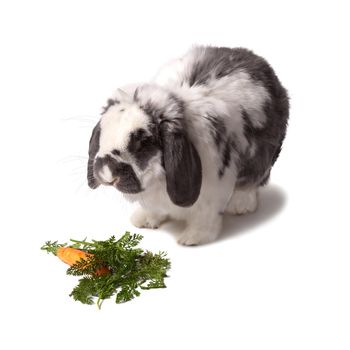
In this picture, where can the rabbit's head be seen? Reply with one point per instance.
(141, 139)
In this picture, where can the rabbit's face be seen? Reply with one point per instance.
(141, 140)
(124, 149)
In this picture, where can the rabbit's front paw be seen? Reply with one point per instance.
(194, 237)
(144, 219)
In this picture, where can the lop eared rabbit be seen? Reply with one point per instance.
(195, 143)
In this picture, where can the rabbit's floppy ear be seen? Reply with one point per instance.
(183, 168)
(93, 149)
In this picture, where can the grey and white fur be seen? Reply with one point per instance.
(196, 142)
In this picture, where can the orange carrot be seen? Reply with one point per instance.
(71, 256)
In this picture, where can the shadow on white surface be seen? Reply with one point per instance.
(272, 199)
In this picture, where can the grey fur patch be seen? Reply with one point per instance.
(170, 110)
(128, 181)
(225, 157)
(142, 147)
(110, 102)
(94, 146)
(218, 62)
(249, 130)
(229, 152)
(217, 129)
(255, 170)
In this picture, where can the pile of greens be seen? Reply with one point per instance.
(131, 269)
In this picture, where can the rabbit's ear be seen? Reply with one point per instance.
(93, 149)
(183, 168)
(122, 96)
(181, 161)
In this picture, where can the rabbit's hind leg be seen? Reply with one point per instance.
(243, 201)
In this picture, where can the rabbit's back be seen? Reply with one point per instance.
(234, 97)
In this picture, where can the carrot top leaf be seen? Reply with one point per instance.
(51, 247)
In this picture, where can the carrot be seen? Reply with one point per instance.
(71, 256)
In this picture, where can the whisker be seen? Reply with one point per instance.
(83, 122)
(80, 118)
(85, 126)
(78, 172)
(72, 159)
(80, 168)
(81, 186)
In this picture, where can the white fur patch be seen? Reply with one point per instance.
(117, 124)
(238, 90)
(143, 218)
(105, 174)
(243, 201)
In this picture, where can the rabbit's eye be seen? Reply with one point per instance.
(137, 139)
(138, 145)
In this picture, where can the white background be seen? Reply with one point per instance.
(276, 279)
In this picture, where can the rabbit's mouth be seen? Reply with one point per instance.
(110, 172)
(129, 185)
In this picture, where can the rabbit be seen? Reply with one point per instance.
(195, 142)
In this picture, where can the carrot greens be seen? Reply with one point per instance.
(131, 269)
